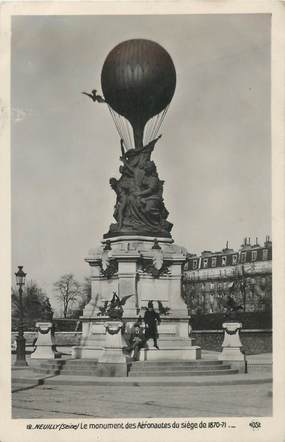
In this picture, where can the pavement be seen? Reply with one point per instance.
(65, 401)
(38, 396)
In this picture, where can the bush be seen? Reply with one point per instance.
(249, 320)
(35, 306)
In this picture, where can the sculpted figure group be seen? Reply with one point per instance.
(139, 207)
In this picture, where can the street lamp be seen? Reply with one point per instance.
(21, 342)
(243, 285)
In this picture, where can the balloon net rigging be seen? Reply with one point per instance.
(125, 129)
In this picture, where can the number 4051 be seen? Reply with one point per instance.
(255, 424)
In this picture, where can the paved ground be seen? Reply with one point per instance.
(142, 401)
(29, 378)
(145, 402)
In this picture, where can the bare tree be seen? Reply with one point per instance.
(86, 290)
(83, 298)
(67, 291)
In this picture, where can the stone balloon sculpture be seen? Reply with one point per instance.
(138, 82)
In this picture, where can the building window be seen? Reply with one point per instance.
(224, 260)
(265, 254)
(205, 262)
(234, 259)
(214, 262)
(243, 257)
(254, 255)
(195, 263)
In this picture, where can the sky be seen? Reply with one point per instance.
(214, 156)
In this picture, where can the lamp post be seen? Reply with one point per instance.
(243, 286)
(21, 342)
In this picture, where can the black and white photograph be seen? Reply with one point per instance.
(141, 223)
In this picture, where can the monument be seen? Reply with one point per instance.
(137, 258)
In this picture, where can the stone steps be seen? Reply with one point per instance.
(67, 371)
(180, 368)
(177, 367)
(182, 373)
(161, 368)
(80, 367)
(51, 371)
(63, 365)
(170, 362)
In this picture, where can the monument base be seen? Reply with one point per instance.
(231, 354)
(111, 370)
(143, 268)
(86, 352)
(238, 365)
(174, 342)
(190, 353)
(112, 361)
(139, 269)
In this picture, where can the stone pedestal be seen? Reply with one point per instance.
(150, 269)
(131, 265)
(93, 338)
(231, 346)
(112, 361)
(45, 342)
(174, 343)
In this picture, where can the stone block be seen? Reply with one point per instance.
(114, 343)
(45, 346)
(112, 369)
(231, 346)
(237, 365)
(85, 352)
(231, 354)
(171, 353)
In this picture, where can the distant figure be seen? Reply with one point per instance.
(212, 303)
(94, 96)
(151, 320)
(136, 341)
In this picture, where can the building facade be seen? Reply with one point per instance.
(245, 275)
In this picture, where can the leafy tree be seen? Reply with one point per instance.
(68, 291)
(36, 306)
